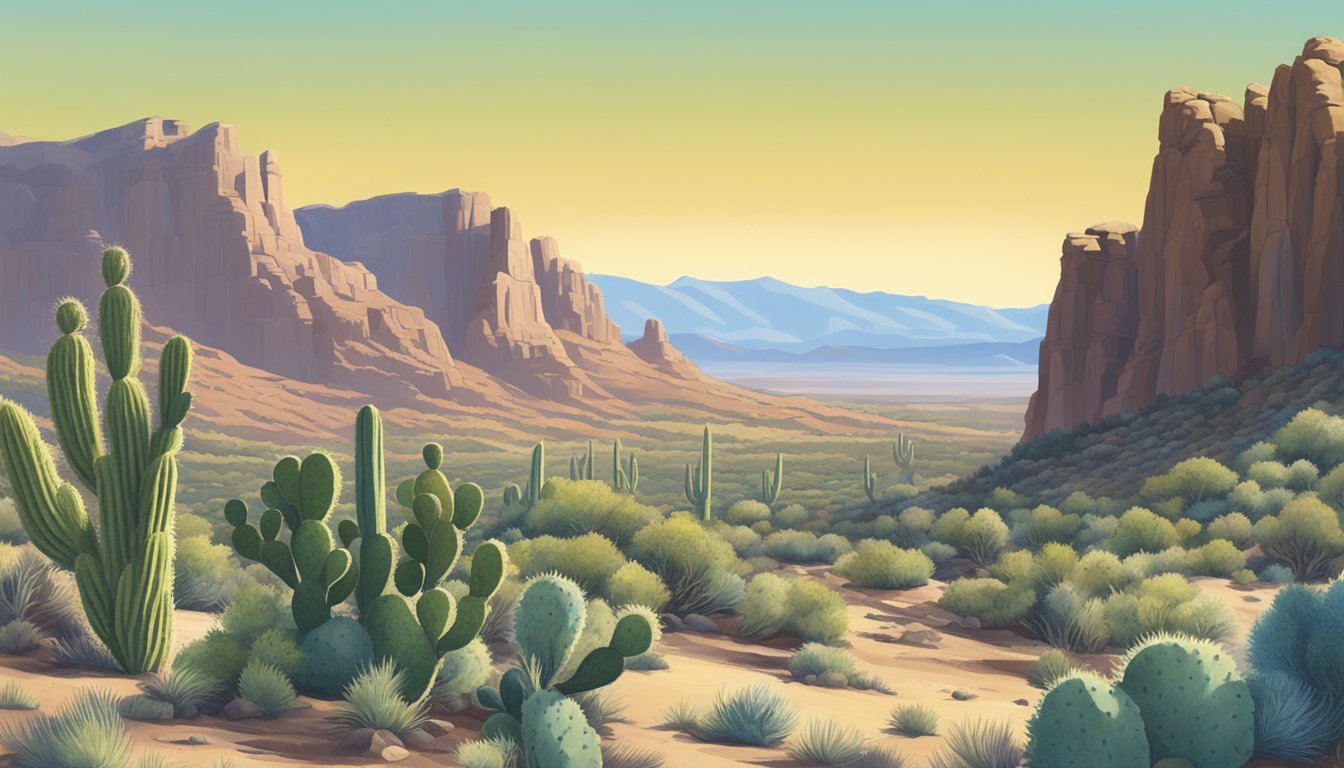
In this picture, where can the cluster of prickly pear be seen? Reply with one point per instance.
(548, 623)
(581, 467)
(124, 567)
(1085, 720)
(623, 479)
(772, 482)
(300, 498)
(869, 479)
(1194, 703)
(699, 478)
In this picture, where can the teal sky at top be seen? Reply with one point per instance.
(656, 139)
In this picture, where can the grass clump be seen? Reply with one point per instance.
(489, 753)
(626, 756)
(19, 638)
(826, 742)
(87, 734)
(914, 720)
(188, 691)
(754, 716)
(373, 700)
(13, 696)
(1051, 666)
(979, 744)
(267, 687)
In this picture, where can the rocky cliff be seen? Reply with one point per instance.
(1238, 267)
(218, 256)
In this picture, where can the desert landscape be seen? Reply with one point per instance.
(391, 480)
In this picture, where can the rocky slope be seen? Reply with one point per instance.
(1238, 268)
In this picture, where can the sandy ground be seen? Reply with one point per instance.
(991, 665)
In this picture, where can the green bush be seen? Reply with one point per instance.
(1053, 565)
(1331, 488)
(1220, 558)
(1312, 435)
(981, 537)
(1255, 502)
(745, 541)
(1192, 481)
(1071, 621)
(11, 527)
(633, 584)
(1306, 535)
(912, 527)
(914, 720)
(589, 559)
(254, 610)
(1052, 665)
(1140, 530)
(1300, 476)
(882, 565)
(1261, 451)
(698, 567)
(88, 733)
(373, 700)
(575, 507)
(1277, 573)
(280, 649)
(267, 687)
(1234, 527)
(219, 654)
(792, 516)
(1045, 524)
(1099, 573)
(205, 575)
(755, 716)
(815, 659)
(188, 691)
(792, 546)
(938, 552)
(490, 753)
(979, 744)
(746, 512)
(816, 613)
(19, 638)
(764, 606)
(991, 601)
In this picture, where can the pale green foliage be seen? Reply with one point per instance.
(990, 600)
(980, 536)
(746, 512)
(1234, 527)
(1099, 573)
(267, 687)
(1141, 530)
(88, 733)
(883, 565)
(805, 608)
(373, 700)
(914, 720)
(1306, 535)
(1312, 435)
(827, 742)
(575, 507)
(1219, 558)
(1192, 480)
(698, 567)
(1301, 475)
(589, 559)
(633, 584)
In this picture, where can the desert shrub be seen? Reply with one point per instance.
(1192, 481)
(759, 564)
(1299, 476)
(1045, 524)
(1234, 527)
(629, 756)
(879, 756)
(764, 605)
(979, 744)
(816, 613)
(205, 575)
(755, 716)
(827, 742)
(488, 753)
(792, 516)
(981, 537)
(19, 637)
(1166, 604)
(1014, 566)
(1255, 502)
(792, 546)
(11, 527)
(938, 552)
(633, 584)
(35, 591)
(883, 565)
(278, 648)
(1243, 577)
(1261, 451)
(912, 526)
(1312, 435)
(816, 659)
(1277, 573)
(1219, 558)
(254, 610)
(1140, 530)
(745, 541)
(589, 559)
(746, 512)
(647, 662)
(831, 546)
(463, 671)
(84, 651)
(267, 687)
(373, 700)
(1098, 574)
(188, 692)
(914, 720)
(219, 654)
(1052, 665)
(991, 601)
(698, 567)
(1096, 531)
(1306, 535)
(570, 508)
(13, 696)
(88, 733)
(1005, 499)
(1071, 621)
(1053, 564)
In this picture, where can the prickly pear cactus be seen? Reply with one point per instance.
(1194, 703)
(547, 624)
(1084, 720)
(557, 735)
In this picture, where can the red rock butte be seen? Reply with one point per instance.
(1238, 268)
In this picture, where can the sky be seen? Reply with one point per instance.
(941, 148)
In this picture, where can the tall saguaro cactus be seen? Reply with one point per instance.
(772, 482)
(869, 479)
(581, 467)
(699, 477)
(622, 479)
(536, 476)
(903, 451)
(124, 566)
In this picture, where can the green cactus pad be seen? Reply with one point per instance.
(409, 577)
(235, 512)
(501, 726)
(247, 540)
(414, 540)
(310, 545)
(276, 557)
(406, 493)
(309, 606)
(376, 556)
(488, 565)
(348, 531)
(514, 688)
(600, 667)
(286, 475)
(1084, 720)
(270, 523)
(547, 623)
(397, 635)
(433, 455)
(433, 482)
(320, 485)
(435, 610)
(71, 317)
(468, 502)
(471, 613)
(556, 734)
(633, 635)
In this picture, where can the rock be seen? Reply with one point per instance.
(702, 624)
(435, 727)
(382, 739)
(969, 622)
(142, 707)
(355, 742)
(395, 754)
(421, 741)
(653, 347)
(962, 694)
(672, 622)
(1251, 599)
(241, 709)
(1022, 702)
(1238, 268)
(832, 680)
(922, 638)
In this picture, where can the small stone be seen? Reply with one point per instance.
(1251, 599)
(355, 742)
(969, 622)
(702, 624)
(832, 680)
(436, 727)
(382, 740)
(1022, 702)
(421, 741)
(241, 709)
(962, 694)
(395, 754)
(672, 622)
(810, 679)
(924, 638)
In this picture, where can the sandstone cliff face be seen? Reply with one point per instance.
(654, 348)
(217, 254)
(1240, 259)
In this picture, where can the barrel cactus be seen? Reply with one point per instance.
(1194, 702)
(333, 655)
(1084, 720)
(124, 565)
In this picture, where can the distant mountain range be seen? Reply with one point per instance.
(770, 321)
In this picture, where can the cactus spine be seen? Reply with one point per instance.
(536, 475)
(124, 568)
(622, 479)
(772, 482)
(581, 467)
(869, 480)
(903, 451)
(424, 622)
(699, 478)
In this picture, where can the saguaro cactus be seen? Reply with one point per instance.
(869, 479)
(124, 567)
(903, 451)
(581, 467)
(699, 477)
(622, 479)
(772, 482)
(536, 476)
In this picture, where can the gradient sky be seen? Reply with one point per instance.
(940, 148)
